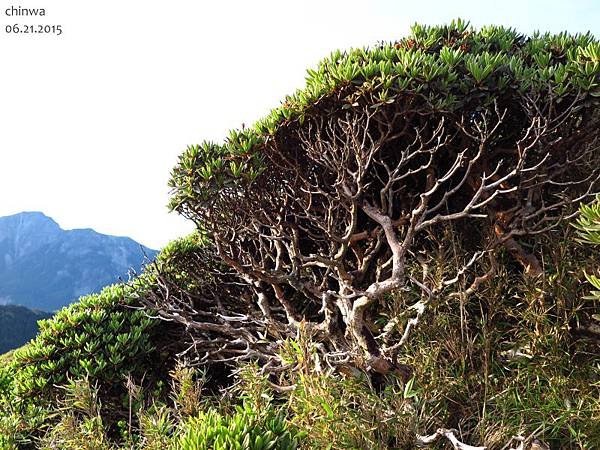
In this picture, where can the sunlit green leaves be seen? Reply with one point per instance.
(448, 65)
(99, 337)
(588, 226)
(246, 429)
(588, 222)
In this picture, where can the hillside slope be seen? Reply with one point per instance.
(18, 325)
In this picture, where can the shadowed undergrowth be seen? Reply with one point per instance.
(515, 359)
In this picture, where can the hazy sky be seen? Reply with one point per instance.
(91, 122)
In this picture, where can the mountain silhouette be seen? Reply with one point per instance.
(45, 267)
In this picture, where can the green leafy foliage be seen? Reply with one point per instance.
(448, 66)
(246, 429)
(187, 425)
(100, 338)
(510, 361)
(81, 425)
(588, 225)
(505, 362)
(345, 410)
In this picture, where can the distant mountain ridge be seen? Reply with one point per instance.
(45, 267)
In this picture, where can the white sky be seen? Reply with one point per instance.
(91, 122)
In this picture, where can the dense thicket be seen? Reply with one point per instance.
(339, 198)
(105, 339)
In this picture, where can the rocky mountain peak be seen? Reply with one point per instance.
(43, 266)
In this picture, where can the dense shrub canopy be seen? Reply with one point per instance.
(450, 67)
(340, 196)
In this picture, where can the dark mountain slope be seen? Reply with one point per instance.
(18, 325)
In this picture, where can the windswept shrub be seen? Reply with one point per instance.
(386, 249)
(329, 207)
